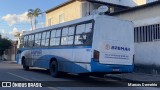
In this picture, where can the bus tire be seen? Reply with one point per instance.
(54, 69)
(25, 67)
(83, 75)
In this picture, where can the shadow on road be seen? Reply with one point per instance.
(76, 81)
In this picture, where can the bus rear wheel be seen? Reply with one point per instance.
(83, 75)
(54, 69)
(25, 67)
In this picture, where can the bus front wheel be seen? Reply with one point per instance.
(54, 69)
(25, 67)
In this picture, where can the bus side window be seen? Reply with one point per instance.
(55, 37)
(43, 39)
(47, 38)
(37, 42)
(29, 41)
(71, 35)
(80, 29)
(32, 42)
(64, 39)
(88, 33)
(58, 35)
(84, 34)
(25, 42)
(88, 28)
(78, 37)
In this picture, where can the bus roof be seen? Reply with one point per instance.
(91, 17)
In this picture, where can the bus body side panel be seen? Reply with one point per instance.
(114, 40)
(79, 62)
(82, 59)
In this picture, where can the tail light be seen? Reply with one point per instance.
(96, 55)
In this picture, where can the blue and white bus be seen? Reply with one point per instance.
(93, 44)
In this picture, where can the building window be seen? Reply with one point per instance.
(61, 18)
(50, 22)
(147, 33)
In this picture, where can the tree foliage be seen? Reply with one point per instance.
(4, 44)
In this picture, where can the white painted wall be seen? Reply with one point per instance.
(147, 21)
(147, 53)
(130, 3)
(9, 57)
(111, 1)
(148, 1)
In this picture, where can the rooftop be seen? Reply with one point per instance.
(92, 1)
(136, 8)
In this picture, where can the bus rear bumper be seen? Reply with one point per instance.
(104, 68)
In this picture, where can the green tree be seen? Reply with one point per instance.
(34, 14)
(4, 44)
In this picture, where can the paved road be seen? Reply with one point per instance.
(14, 72)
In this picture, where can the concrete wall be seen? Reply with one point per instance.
(10, 54)
(130, 3)
(147, 54)
(148, 1)
(71, 11)
(79, 9)
(9, 57)
(140, 14)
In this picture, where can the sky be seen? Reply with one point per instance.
(13, 15)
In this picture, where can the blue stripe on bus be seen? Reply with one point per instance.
(64, 64)
(43, 62)
(98, 67)
(72, 67)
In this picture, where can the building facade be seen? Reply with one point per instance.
(130, 3)
(68, 11)
(74, 9)
(146, 19)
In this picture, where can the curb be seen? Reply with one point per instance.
(12, 62)
(122, 79)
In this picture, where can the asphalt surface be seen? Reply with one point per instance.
(14, 72)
